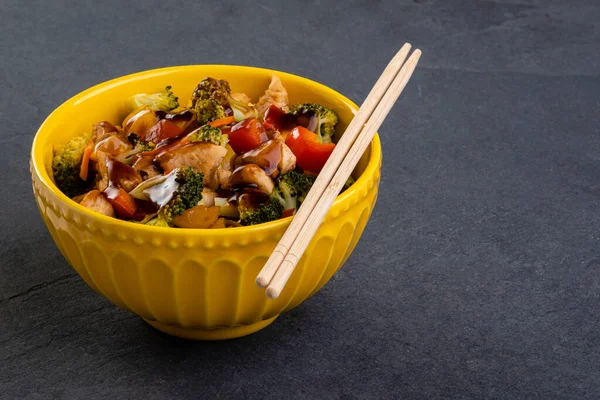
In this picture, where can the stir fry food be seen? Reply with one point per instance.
(219, 161)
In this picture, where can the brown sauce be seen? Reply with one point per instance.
(186, 120)
(144, 208)
(118, 171)
(267, 156)
(159, 194)
(164, 146)
(252, 198)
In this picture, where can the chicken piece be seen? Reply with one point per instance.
(223, 176)
(101, 160)
(274, 156)
(276, 94)
(252, 175)
(243, 97)
(288, 159)
(144, 165)
(113, 145)
(208, 197)
(102, 130)
(115, 172)
(128, 178)
(203, 157)
(95, 201)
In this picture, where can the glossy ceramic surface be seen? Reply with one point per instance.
(195, 284)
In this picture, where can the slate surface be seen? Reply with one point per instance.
(478, 274)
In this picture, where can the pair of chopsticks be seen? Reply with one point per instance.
(348, 151)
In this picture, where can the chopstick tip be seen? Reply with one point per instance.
(261, 282)
(272, 293)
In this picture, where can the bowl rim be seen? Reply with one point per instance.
(41, 173)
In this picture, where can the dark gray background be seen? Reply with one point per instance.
(478, 274)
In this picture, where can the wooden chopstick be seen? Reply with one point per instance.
(315, 215)
(342, 147)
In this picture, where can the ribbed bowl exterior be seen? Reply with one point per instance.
(199, 281)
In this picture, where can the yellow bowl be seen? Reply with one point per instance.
(196, 284)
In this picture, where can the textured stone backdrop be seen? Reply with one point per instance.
(478, 275)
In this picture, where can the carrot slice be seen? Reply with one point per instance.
(221, 122)
(122, 202)
(85, 161)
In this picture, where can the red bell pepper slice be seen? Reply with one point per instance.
(247, 135)
(164, 129)
(311, 155)
(288, 213)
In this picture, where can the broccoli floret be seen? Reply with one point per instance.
(162, 101)
(267, 211)
(319, 119)
(187, 195)
(137, 142)
(207, 110)
(213, 96)
(207, 133)
(158, 221)
(139, 146)
(292, 189)
(298, 183)
(301, 183)
(66, 164)
(210, 88)
(286, 196)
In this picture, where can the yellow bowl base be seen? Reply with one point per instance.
(211, 334)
